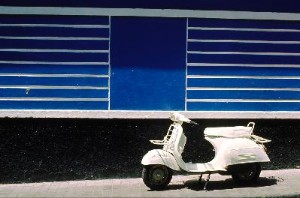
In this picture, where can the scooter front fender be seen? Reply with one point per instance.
(158, 156)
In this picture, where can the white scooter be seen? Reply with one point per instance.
(238, 152)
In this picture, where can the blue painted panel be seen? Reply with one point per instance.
(86, 105)
(53, 56)
(208, 53)
(55, 32)
(265, 83)
(9, 52)
(242, 59)
(229, 23)
(243, 47)
(148, 63)
(244, 71)
(238, 94)
(55, 44)
(54, 69)
(72, 20)
(243, 106)
(11, 80)
(253, 5)
(241, 35)
(65, 93)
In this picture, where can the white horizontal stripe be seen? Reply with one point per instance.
(54, 25)
(244, 29)
(240, 100)
(241, 41)
(245, 77)
(239, 89)
(51, 87)
(53, 63)
(55, 38)
(247, 53)
(53, 99)
(241, 65)
(53, 50)
(54, 75)
(121, 114)
(149, 13)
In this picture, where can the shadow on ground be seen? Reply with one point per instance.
(223, 184)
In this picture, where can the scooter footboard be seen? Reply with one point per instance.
(158, 156)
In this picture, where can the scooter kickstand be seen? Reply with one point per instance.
(200, 178)
(206, 182)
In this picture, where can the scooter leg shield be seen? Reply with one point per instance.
(158, 156)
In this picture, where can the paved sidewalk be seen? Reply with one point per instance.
(272, 183)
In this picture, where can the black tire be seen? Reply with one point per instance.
(246, 173)
(157, 177)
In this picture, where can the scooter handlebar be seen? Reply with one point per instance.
(193, 122)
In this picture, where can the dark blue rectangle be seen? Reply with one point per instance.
(40, 19)
(59, 93)
(249, 83)
(243, 47)
(54, 32)
(54, 69)
(243, 35)
(242, 59)
(148, 63)
(243, 106)
(244, 71)
(241, 94)
(229, 23)
(64, 105)
(54, 81)
(54, 44)
(54, 56)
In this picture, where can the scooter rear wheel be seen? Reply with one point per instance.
(157, 177)
(246, 173)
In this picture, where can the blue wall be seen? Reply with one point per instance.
(144, 63)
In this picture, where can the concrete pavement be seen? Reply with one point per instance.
(272, 183)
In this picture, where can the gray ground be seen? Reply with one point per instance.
(272, 183)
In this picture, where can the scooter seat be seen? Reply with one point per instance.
(229, 132)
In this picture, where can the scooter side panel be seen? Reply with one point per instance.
(158, 156)
(230, 151)
(248, 155)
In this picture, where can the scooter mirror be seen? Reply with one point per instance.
(177, 117)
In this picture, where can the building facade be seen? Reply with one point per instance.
(118, 60)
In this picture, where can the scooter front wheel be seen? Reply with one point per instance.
(157, 177)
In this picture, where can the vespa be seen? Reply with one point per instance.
(238, 152)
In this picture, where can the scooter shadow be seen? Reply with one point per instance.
(222, 185)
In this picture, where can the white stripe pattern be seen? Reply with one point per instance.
(242, 100)
(53, 50)
(53, 99)
(244, 29)
(51, 87)
(246, 53)
(53, 25)
(242, 41)
(244, 77)
(54, 38)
